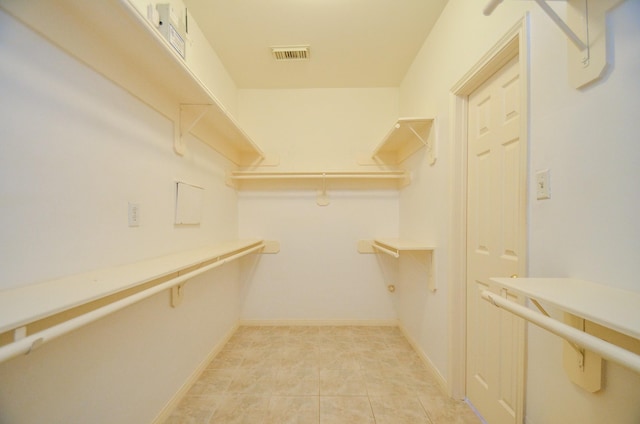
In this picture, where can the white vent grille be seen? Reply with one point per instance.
(290, 53)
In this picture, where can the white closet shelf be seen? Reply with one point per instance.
(32, 308)
(607, 306)
(318, 180)
(400, 245)
(601, 322)
(406, 137)
(117, 41)
(234, 176)
(395, 246)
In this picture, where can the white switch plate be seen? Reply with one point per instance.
(134, 215)
(543, 189)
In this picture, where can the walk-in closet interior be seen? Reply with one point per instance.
(302, 211)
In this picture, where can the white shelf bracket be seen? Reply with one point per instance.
(422, 140)
(177, 294)
(585, 28)
(431, 147)
(323, 199)
(189, 117)
(573, 37)
(580, 352)
(432, 151)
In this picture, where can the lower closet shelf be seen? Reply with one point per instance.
(394, 247)
(600, 322)
(36, 313)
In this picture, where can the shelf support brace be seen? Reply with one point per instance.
(564, 27)
(491, 6)
(187, 121)
(422, 140)
(429, 146)
(587, 55)
(579, 351)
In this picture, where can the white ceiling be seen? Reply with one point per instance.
(353, 43)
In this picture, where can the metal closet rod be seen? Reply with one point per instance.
(32, 342)
(605, 349)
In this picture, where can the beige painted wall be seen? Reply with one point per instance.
(75, 150)
(318, 274)
(587, 230)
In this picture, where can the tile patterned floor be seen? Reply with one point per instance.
(318, 375)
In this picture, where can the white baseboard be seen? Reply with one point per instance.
(316, 323)
(442, 382)
(175, 400)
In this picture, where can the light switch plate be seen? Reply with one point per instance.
(543, 189)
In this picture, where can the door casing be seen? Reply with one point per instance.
(514, 43)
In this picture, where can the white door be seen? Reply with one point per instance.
(496, 231)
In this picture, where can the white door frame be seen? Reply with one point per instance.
(514, 42)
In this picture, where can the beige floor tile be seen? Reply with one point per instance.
(335, 345)
(345, 410)
(312, 375)
(293, 410)
(254, 381)
(297, 351)
(212, 382)
(195, 410)
(304, 333)
(297, 382)
(261, 358)
(342, 383)
(398, 410)
(443, 410)
(338, 360)
(385, 383)
(241, 409)
(227, 358)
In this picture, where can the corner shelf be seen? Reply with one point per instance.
(406, 137)
(33, 312)
(319, 180)
(394, 247)
(117, 41)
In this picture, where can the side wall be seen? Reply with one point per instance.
(75, 150)
(318, 275)
(588, 229)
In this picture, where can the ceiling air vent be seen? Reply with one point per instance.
(290, 53)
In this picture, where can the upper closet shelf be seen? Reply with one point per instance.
(119, 42)
(406, 137)
(318, 180)
(236, 178)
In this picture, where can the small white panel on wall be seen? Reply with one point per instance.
(188, 203)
